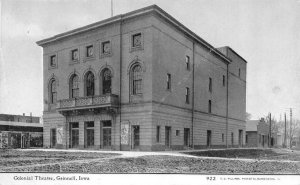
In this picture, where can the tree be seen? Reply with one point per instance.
(248, 116)
(293, 132)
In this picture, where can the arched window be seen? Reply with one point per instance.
(74, 88)
(106, 81)
(53, 92)
(136, 76)
(89, 84)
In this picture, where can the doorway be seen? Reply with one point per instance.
(186, 136)
(106, 130)
(240, 138)
(89, 134)
(208, 139)
(136, 136)
(74, 135)
(53, 138)
(168, 136)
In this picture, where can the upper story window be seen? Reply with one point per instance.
(89, 84)
(210, 85)
(53, 92)
(106, 81)
(136, 76)
(74, 86)
(209, 106)
(53, 61)
(187, 62)
(168, 81)
(75, 55)
(90, 51)
(137, 40)
(105, 48)
(187, 95)
(224, 80)
(239, 72)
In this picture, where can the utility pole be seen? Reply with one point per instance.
(270, 135)
(291, 122)
(111, 8)
(284, 144)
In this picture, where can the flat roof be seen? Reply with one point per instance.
(251, 125)
(23, 124)
(135, 13)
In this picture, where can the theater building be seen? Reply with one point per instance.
(141, 81)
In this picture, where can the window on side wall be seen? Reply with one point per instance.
(210, 85)
(157, 134)
(187, 95)
(187, 62)
(168, 81)
(209, 106)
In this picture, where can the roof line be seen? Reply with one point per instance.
(128, 15)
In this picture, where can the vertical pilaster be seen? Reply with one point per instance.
(97, 134)
(81, 134)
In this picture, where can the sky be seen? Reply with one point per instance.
(264, 32)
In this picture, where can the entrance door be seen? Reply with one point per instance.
(23, 145)
(89, 134)
(74, 137)
(168, 136)
(136, 136)
(186, 136)
(106, 137)
(52, 138)
(208, 139)
(106, 130)
(240, 137)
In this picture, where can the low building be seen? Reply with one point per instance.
(17, 134)
(20, 118)
(257, 133)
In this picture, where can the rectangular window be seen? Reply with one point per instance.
(106, 48)
(239, 72)
(246, 138)
(137, 40)
(187, 62)
(210, 85)
(224, 80)
(222, 137)
(169, 81)
(232, 139)
(177, 132)
(209, 106)
(74, 54)
(157, 134)
(89, 51)
(53, 60)
(187, 95)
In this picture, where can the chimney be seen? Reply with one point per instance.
(23, 114)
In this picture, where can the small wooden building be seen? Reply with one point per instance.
(20, 134)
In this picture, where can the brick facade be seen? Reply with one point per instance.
(164, 47)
